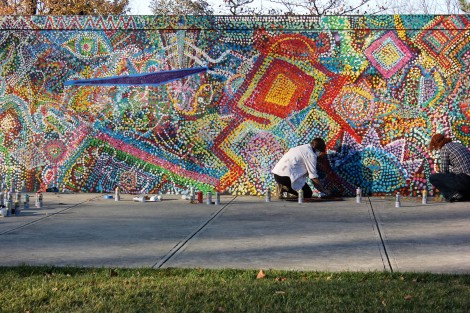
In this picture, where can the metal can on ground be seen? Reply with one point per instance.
(209, 198)
(398, 200)
(268, 195)
(358, 195)
(217, 198)
(301, 196)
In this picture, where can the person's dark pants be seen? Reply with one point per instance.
(449, 184)
(285, 181)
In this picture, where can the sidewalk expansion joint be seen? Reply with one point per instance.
(382, 241)
(48, 215)
(183, 243)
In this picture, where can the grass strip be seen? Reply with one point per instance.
(75, 289)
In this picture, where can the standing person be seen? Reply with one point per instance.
(453, 179)
(296, 165)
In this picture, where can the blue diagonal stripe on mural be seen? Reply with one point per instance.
(151, 79)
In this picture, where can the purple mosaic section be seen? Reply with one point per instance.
(153, 79)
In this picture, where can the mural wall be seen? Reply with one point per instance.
(158, 104)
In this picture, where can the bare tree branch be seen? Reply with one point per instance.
(237, 7)
(329, 7)
(343, 7)
(180, 7)
(64, 7)
(464, 5)
(426, 7)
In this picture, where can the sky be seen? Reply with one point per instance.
(141, 7)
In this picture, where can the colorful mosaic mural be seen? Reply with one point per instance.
(159, 104)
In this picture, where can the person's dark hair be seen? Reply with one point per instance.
(437, 141)
(318, 144)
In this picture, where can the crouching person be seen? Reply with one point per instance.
(453, 179)
(300, 162)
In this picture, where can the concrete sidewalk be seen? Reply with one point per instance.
(243, 232)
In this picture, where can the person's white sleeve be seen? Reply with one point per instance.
(311, 164)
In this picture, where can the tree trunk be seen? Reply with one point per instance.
(31, 7)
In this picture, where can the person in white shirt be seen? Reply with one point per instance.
(296, 165)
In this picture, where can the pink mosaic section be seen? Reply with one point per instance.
(376, 48)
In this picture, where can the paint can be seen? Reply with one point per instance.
(9, 207)
(424, 200)
(117, 194)
(16, 206)
(199, 196)
(192, 193)
(5, 197)
(3, 206)
(268, 195)
(217, 198)
(209, 198)
(398, 200)
(301, 196)
(358, 195)
(26, 202)
(38, 200)
(155, 198)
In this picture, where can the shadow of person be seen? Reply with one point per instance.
(372, 169)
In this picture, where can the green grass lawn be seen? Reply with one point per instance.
(71, 289)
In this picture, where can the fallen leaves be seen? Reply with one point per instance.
(408, 297)
(260, 275)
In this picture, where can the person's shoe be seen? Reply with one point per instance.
(281, 191)
(456, 197)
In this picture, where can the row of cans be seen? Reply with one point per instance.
(200, 197)
(9, 207)
(424, 199)
(192, 196)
